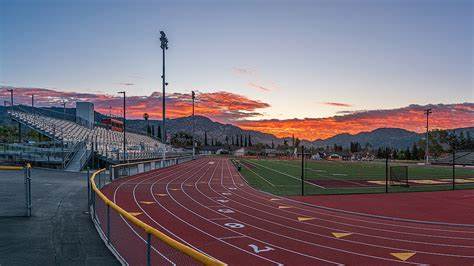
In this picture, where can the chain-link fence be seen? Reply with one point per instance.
(132, 240)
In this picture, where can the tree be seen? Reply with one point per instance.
(181, 139)
(226, 140)
(205, 138)
(158, 131)
(146, 116)
(250, 141)
(241, 141)
(273, 145)
(246, 141)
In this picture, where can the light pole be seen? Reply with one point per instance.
(32, 100)
(427, 113)
(11, 97)
(64, 110)
(164, 46)
(193, 95)
(124, 139)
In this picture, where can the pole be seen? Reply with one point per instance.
(427, 112)
(194, 150)
(454, 166)
(11, 97)
(164, 46)
(32, 100)
(148, 249)
(386, 172)
(302, 170)
(124, 127)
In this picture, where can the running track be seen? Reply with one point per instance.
(206, 204)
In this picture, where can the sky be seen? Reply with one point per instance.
(274, 66)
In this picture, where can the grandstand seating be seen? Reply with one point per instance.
(107, 143)
(461, 158)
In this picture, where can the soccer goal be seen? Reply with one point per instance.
(399, 175)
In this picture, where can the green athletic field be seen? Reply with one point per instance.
(283, 177)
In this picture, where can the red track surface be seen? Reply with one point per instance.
(207, 205)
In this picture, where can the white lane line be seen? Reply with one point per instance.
(346, 240)
(306, 242)
(191, 168)
(128, 224)
(232, 237)
(200, 230)
(256, 193)
(285, 174)
(336, 229)
(259, 240)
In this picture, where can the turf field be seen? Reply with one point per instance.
(283, 177)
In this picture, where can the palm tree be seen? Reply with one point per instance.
(146, 116)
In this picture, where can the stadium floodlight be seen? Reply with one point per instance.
(164, 46)
(124, 117)
(193, 96)
(427, 113)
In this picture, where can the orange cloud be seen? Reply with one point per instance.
(220, 106)
(338, 104)
(256, 86)
(444, 116)
(233, 108)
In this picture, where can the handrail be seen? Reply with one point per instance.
(206, 260)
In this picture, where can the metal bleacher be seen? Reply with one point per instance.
(105, 143)
(461, 158)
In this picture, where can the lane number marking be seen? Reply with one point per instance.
(257, 250)
(225, 210)
(234, 225)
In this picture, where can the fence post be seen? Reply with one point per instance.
(25, 172)
(454, 167)
(108, 223)
(302, 170)
(386, 173)
(29, 191)
(148, 249)
(88, 189)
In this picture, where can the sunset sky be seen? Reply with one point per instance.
(309, 68)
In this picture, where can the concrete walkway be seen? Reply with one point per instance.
(59, 232)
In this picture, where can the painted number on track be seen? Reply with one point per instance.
(234, 225)
(225, 210)
(257, 250)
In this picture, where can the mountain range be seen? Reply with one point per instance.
(381, 137)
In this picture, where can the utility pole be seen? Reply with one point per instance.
(32, 100)
(427, 113)
(193, 95)
(124, 118)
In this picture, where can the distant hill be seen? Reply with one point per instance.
(382, 137)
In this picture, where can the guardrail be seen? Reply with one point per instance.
(96, 200)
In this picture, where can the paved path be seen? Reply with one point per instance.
(59, 232)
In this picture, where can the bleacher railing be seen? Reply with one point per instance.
(113, 222)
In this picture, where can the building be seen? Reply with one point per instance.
(85, 114)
